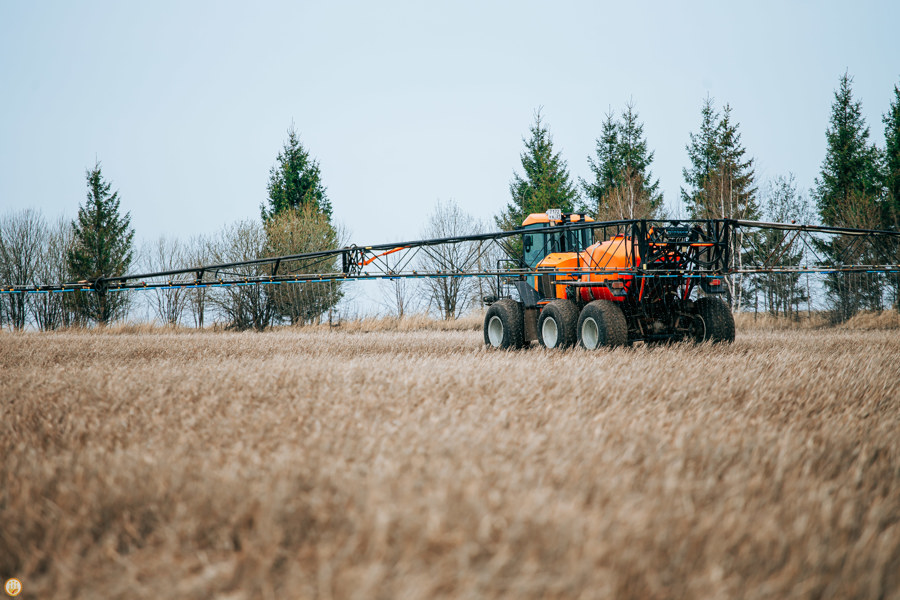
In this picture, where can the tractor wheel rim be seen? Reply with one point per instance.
(590, 333)
(699, 328)
(495, 331)
(550, 332)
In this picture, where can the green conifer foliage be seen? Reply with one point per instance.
(295, 181)
(703, 152)
(891, 210)
(606, 166)
(850, 168)
(735, 176)
(545, 183)
(623, 186)
(297, 219)
(103, 241)
(892, 161)
(846, 194)
(721, 179)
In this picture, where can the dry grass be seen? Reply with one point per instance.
(419, 322)
(415, 322)
(868, 321)
(746, 321)
(320, 463)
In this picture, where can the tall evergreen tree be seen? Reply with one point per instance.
(736, 176)
(721, 178)
(892, 186)
(623, 186)
(636, 161)
(297, 218)
(846, 194)
(850, 167)
(545, 184)
(103, 241)
(721, 181)
(703, 152)
(295, 181)
(892, 161)
(606, 167)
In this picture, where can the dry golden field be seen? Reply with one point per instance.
(354, 463)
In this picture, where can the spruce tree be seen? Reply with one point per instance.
(297, 219)
(545, 183)
(891, 218)
(703, 152)
(892, 162)
(636, 184)
(606, 167)
(846, 194)
(623, 186)
(850, 168)
(295, 181)
(721, 181)
(734, 180)
(103, 241)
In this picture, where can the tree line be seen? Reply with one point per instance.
(99, 243)
(296, 217)
(858, 186)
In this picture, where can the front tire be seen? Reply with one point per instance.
(713, 321)
(504, 325)
(602, 324)
(556, 325)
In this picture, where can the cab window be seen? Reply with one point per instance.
(538, 244)
(534, 248)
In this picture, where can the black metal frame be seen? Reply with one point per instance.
(683, 250)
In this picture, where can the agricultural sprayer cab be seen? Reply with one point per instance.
(613, 283)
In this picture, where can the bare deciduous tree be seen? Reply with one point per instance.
(489, 257)
(400, 296)
(54, 310)
(851, 292)
(197, 253)
(297, 231)
(448, 294)
(627, 200)
(166, 254)
(781, 293)
(22, 236)
(248, 306)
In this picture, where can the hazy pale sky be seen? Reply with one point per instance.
(187, 104)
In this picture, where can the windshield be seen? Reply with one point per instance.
(538, 244)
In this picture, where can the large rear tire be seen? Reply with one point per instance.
(504, 325)
(602, 324)
(713, 321)
(557, 323)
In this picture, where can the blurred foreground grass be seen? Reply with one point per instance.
(379, 463)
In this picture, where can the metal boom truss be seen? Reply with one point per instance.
(658, 248)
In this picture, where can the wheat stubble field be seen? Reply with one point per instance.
(316, 463)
